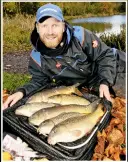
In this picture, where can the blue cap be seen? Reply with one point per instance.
(49, 10)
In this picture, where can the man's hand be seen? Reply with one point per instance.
(104, 92)
(12, 99)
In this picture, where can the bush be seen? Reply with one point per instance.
(117, 41)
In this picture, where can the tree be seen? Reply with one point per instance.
(10, 8)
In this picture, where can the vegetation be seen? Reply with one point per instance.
(68, 8)
(12, 81)
(116, 41)
(16, 33)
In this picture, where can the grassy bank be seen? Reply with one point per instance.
(12, 81)
(16, 33)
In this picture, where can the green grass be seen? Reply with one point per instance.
(12, 81)
(16, 33)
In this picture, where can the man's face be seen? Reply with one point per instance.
(51, 32)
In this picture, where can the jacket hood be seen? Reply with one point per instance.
(35, 36)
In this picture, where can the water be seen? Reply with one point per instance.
(101, 25)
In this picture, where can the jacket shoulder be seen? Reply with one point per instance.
(35, 55)
(79, 33)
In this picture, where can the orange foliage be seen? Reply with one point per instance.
(112, 137)
(5, 95)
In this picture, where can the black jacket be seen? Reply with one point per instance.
(81, 62)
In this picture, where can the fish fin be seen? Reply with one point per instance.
(76, 85)
(38, 130)
(77, 92)
(76, 133)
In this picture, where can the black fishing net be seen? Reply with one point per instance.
(28, 133)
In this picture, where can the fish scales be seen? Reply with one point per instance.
(30, 108)
(75, 128)
(46, 126)
(45, 94)
(68, 99)
(44, 114)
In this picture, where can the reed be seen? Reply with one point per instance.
(115, 40)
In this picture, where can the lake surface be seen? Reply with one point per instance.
(101, 25)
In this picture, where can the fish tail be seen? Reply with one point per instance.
(77, 92)
(101, 113)
(38, 130)
(100, 109)
(93, 106)
(76, 85)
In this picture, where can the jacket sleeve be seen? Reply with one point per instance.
(39, 79)
(103, 57)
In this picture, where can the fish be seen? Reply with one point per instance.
(46, 126)
(45, 94)
(75, 128)
(47, 113)
(68, 100)
(30, 108)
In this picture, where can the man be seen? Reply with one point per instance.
(65, 55)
